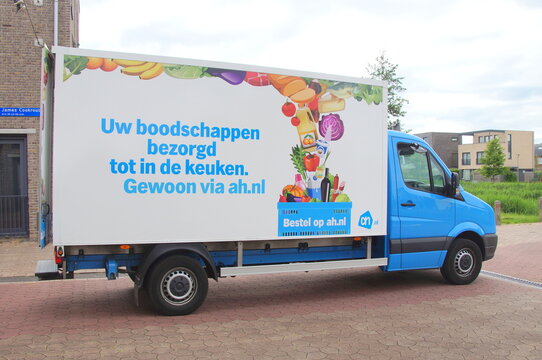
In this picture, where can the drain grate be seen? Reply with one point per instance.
(513, 279)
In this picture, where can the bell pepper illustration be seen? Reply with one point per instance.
(311, 162)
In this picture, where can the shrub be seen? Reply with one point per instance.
(510, 176)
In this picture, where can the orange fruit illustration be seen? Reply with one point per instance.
(109, 65)
(94, 62)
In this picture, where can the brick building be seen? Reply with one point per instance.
(20, 71)
(445, 145)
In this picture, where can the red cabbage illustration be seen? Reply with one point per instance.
(334, 123)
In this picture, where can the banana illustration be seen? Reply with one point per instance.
(125, 63)
(152, 72)
(138, 69)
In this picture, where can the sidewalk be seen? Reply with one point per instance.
(519, 254)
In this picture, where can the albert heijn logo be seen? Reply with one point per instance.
(366, 220)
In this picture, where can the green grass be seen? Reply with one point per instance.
(519, 201)
(518, 218)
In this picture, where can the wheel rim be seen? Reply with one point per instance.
(179, 286)
(464, 262)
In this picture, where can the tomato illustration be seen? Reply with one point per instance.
(288, 109)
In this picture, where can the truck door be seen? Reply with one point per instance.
(426, 212)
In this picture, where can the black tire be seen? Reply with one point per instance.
(177, 285)
(463, 262)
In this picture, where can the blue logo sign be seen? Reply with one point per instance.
(366, 220)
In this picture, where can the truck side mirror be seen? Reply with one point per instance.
(454, 184)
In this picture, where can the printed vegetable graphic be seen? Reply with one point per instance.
(334, 123)
(293, 190)
(288, 109)
(184, 71)
(342, 198)
(297, 159)
(311, 162)
(342, 90)
(73, 65)
(233, 77)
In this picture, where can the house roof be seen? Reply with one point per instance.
(482, 131)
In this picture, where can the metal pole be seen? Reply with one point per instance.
(497, 208)
(540, 208)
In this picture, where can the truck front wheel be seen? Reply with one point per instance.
(177, 285)
(463, 262)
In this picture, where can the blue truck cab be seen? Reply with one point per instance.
(432, 221)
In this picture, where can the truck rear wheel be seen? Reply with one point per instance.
(463, 262)
(177, 285)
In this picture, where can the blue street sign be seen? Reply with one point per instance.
(19, 111)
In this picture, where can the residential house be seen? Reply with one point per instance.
(518, 149)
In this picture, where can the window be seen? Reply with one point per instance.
(420, 169)
(465, 158)
(480, 139)
(466, 174)
(496, 137)
(479, 156)
(487, 138)
(13, 186)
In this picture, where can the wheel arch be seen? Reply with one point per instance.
(477, 239)
(470, 231)
(197, 251)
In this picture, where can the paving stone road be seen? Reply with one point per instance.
(343, 314)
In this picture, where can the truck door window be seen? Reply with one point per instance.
(420, 169)
(414, 167)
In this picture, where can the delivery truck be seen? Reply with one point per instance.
(175, 171)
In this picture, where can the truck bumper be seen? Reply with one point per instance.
(490, 245)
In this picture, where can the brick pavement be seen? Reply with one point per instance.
(346, 314)
(519, 252)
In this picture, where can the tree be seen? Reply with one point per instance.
(493, 160)
(383, 69)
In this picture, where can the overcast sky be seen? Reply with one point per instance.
(467, 64)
